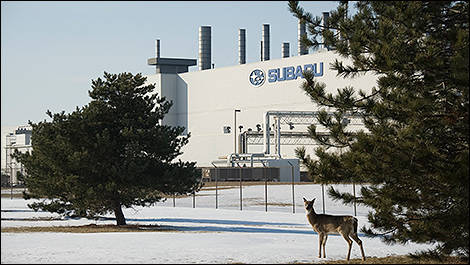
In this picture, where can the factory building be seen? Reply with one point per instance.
(19, 140)
(248, 115)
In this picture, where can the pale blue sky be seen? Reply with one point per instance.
(52, 50)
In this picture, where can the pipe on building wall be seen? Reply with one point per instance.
(261, 51)
(242, 46)
(204, 47)
(277, 146)
(266, 133)
(232, 158)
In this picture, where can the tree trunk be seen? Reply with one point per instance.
(120, 219)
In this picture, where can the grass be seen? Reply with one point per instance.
(400, 259)
(110, 228)
(274, 204)
(91, 228)
(249, 183)
(208, 186)
(14, 195)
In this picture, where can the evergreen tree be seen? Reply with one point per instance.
(414, 151)
(109, 154)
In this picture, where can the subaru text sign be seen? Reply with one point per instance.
(257, 76)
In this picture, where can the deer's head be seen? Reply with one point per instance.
(308, 204)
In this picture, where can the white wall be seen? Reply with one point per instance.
(285, 169)
(206, 100)
(4, 132)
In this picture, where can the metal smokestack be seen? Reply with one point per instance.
(266, 45)
(285, 50)
(241, 46)
(326, 15)
(204, 47)
(157, 49)
(301, 32)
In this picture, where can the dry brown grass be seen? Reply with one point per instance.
(223, 185)
(274, 204)
(219, 188)
(45, 218)
(91, 228)
(399, 259)
(250, 183)
(208, 186)
(14, 195)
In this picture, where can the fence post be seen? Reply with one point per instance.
(194, 199)
(216, 178)
(174, 205)
(265, 187)
(323, 197)
(240, 186)
(11, 188)
(293, 197)
(354, 193)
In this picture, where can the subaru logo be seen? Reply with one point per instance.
(257, 77)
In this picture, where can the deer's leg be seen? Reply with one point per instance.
(320, 242)
(346, 237)
(359, 242)
(324, 244)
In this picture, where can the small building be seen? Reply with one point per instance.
(19, 140)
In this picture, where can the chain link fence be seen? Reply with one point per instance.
(258, 188)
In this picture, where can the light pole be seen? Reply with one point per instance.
(235, 130)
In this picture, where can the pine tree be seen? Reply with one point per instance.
(414, 152)
(109, 154)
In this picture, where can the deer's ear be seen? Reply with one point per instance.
(304, 199)
(313, 200)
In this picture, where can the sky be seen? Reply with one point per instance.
(51, 51)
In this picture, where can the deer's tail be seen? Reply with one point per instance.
(354, 220)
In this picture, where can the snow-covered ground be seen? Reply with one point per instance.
(204, 234)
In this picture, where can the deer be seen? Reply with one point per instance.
(325, 224)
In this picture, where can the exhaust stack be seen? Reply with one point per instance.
(301, 32)
(204, 47)
(266, 46)
(157, 49)
(241, 46)
(285, 50)
(326, 15)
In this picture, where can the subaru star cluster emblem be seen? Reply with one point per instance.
(257, 77)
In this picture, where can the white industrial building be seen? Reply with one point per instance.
(243, 116)
(19, 140)
(262, 96)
